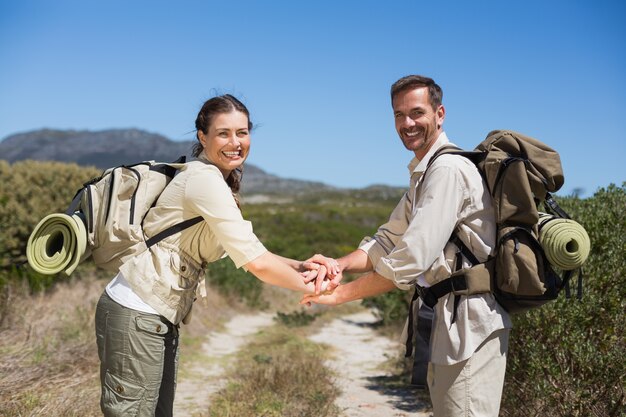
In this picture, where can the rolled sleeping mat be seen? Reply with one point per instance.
(565, 242)
(57, 244)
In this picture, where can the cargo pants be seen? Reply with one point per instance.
(138, 361)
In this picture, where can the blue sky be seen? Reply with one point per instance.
(316, 76)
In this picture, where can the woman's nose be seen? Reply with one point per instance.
(235, 140)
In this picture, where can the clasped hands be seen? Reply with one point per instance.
(327, 274)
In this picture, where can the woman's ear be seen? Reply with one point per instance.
(202, 138)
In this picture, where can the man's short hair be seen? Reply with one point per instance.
(410, 82)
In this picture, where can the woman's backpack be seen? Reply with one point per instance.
(114, 205)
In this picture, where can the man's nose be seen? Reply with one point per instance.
(407, 122)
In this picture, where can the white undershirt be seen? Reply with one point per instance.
(120, 291)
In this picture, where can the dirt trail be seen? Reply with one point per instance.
(193, 392)
(357, 356)
(358, 353)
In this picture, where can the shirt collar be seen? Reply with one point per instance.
(419, 165)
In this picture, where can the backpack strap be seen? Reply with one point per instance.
(172, 230)
(553, 207)
(75, 202)
(418, 336)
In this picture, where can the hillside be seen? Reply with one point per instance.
(107, 148)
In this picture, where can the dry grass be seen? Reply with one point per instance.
(279, 374)
(48, 356)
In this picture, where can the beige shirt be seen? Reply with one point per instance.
(166, 277)
(413, 247)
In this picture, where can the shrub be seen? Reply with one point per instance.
(29, 191)
(235, 283)
(295, 319)
(567, 358)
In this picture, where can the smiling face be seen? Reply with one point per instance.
(227, 141)
(417, 124)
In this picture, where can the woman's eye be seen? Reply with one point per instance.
(242, 133)
(223, 135)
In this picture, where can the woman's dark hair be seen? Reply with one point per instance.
(435, 94)
(211, 108)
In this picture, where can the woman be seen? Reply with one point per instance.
(138, 314)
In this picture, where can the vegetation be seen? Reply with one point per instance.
(565, 359)
(48, 356)
(29, 191)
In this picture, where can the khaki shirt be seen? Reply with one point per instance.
(167, 276)
(413, 247)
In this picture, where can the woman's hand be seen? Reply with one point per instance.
(322, 269)
(311, 289)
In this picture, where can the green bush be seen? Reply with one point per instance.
(567, 358)
(235, 283)
(295, 319)
(29, 191)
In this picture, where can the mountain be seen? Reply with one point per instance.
(107, 148)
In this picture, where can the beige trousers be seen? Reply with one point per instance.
(472, 388)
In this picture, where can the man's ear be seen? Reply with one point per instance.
(441, 115)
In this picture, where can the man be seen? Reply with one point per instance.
(469, 337)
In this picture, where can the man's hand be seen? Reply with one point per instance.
(327, 297)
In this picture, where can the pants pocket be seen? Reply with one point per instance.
(120, 397)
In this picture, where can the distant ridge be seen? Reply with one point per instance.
(101, 149)
(107, 148)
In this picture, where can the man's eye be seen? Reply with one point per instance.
(415, 114)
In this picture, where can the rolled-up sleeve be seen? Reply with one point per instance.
(431, 224)
(208, 195)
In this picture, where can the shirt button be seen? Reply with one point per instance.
(183, 268)
(158, 329)
(119, 389)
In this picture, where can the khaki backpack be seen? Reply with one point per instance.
(114, 205)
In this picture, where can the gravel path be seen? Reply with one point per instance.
(358, 353)
(193, 392)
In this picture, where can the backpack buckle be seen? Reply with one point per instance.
(426, 294)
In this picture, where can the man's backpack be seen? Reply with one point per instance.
(114, 205)
(520, 173)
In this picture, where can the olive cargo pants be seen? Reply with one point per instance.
(138, 361)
